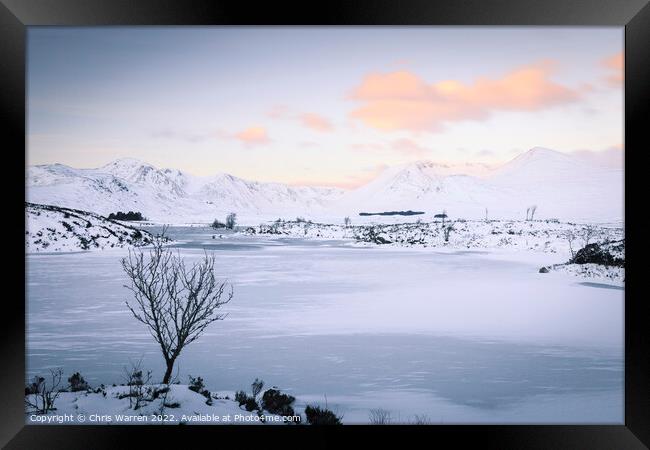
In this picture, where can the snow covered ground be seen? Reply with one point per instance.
(176, 405)
(540, 236)
(455, 334)
(56, 229)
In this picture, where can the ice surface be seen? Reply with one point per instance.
(459, 336)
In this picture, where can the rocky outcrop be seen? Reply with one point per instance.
(604, 254)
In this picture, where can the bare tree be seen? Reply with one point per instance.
(347, 221)
(380, 417)
(256, 387)
(532, 211)
(486, 214)
(176, 303)
(41, 393)
(570, 236)
(137, 380)
(447, 231)
(231, 220)
(587, 234)
(422, 419)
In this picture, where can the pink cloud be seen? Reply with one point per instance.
(368, 147)
(405, 146)
(612, 157)
(410, 147)
(310, 120)
(316, 122)
(355, 181)
(616, 64)
(404, 101)
(254, 135)
(348, 182)
(278, 112)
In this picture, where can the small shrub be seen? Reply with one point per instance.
(422, 419)
(196, 384)
(276, 402)
(380, 416)
(77, 383)
(136, 380)
(84, 243)
(241, 397)
(41, 394)
(158, 391)
(321, 416)
(251, 404)
(256, 387)
(217, 224)
(231, 220)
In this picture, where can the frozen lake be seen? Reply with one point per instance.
(457, 336)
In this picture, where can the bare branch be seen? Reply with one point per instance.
(177, 303)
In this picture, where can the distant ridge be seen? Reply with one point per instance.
(562, 186)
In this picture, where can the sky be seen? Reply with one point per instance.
(321, 105)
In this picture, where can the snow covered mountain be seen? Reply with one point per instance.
(169, 195)
(560, 185)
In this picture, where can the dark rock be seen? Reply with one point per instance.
(381, 240)
(543, 270)
(605, 254)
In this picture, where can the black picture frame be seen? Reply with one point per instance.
(634, 15)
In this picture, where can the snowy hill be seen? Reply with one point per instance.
(54, 229)
(423, 186)
(561, 186)
(169, 195)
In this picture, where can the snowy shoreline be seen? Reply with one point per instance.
(179, 405)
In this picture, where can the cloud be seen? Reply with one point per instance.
(410, 147)
(612, 157)
(485, 152)
(310, 120)
(616, 65)
(404, 146)
(364, 176)
(316, 122)
(368, 146)
(404, 101)
(278, 112)
(308, 144)
(254, 135)
(179, 135)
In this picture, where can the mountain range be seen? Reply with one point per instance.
(560, 186)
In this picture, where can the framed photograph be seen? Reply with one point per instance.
(393, 219)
